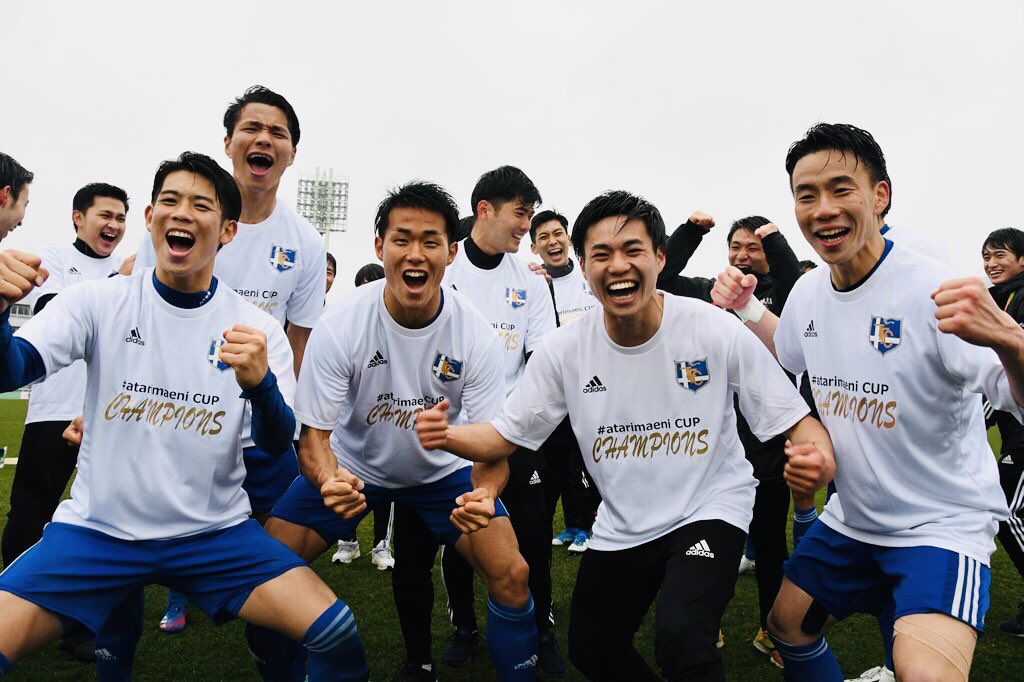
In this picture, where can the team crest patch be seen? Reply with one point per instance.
(446, 368)
(885, 335)
(693, 375)
(213, 355)
(281, 258)
(515, 297)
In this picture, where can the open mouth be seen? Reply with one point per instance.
(833, 236)
(180, 242)
(621, 291)
(108, 236)
(415, 279)
(555, 252)
(259, 163)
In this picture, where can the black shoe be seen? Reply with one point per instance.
(415, 672)
(1015, 626)
(461, 648)
(549, 658)
(84, 650)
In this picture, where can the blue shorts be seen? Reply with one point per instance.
(847, 576)
(267, 477)
(434, 502)
(82, 574)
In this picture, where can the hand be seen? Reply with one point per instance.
(20, 272)
(475, 510)
(74, 432)
(246, 353)
(701, 220)
(341, 493)
(964, 308)
(733, 289)
(432, 426)
(127, 265)
(538, 269)
(806, 470)
(766, 230)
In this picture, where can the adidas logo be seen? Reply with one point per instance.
(135, 337)
(535, 479)
(105, 655)
(529, 663)
(1006, 460)
(73, 271)
(377, 360)
(594, 386)
(810, 333)
(701, 549)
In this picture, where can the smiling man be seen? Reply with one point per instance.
(677, 490)
(158, 496)
(896, 353)
(14, 182)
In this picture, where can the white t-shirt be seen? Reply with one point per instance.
(366, 377)
(161, 455)
(60, 397)
(914, 466)
(573, 296)
(910, 238)
(666, 454)
(279, 265)
(515, 302)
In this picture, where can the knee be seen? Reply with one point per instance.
(924, 671)
(785, 624)
(510, 586)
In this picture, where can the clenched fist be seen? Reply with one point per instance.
(432, 426)
(246, 353)
(341, 493)
(733, 289)
(20, 272)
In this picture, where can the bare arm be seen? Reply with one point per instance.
(297, 338)
(811, 461)
(475, 442)
(339, 488)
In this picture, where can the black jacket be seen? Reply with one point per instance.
(1010, 297)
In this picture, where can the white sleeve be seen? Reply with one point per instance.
(542, 314)
(323, 384)
(145, 257)
(536, 405)
(306, 303)
(787, 340)
(279, 357)
(64, 330)
(768, 400)
(979, 370)
(484, 392)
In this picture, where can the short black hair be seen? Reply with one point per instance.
(466, 227)
(507, 183)
(419, 194)
(806, 265)
(369, 273)
(842, 137)
(1009, 238)
(13, 175)
(543, 217)
(228, 196)
(618, 203)
(751, 222)
(86, 197)
(332, 262)
(258, 94)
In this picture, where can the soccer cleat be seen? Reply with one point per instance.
(764, 644)
(877, 674)
(348, 551)
(721, 640)
(580, 543)
(461, 648)
(1015, 626)
(415, 672)
(549, 658)
(174, 619)
(564, 538)
(747, 565)
(381, 557)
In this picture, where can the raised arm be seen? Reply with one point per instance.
(681, 246)
(735, 291)
(782, 262)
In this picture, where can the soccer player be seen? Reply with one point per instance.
(14, 182)
(894, 350)
(1002, 254)
(332, 270)
(374, 361)
(566, 475)
(276, 262)
(158, 495)
(676, 488)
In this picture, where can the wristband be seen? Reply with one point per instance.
(753, 311)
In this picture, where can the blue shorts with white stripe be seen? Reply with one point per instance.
(847, 576)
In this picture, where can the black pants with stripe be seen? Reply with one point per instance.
(1011, 532)
(689, 573)
(768, 534)
(566, 477)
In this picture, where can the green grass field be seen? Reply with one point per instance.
(207, 652)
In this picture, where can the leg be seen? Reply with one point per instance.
(174, 618)
(1011, 532)
(383, 520)
(411, 583)
(768, 533)
(796, 624)
(933, 646)
(305, 542)
(118, 638)
(26, 628)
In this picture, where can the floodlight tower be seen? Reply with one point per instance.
(323, 201)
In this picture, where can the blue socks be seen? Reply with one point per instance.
(809, 662)
(749, 551)
(803, 519)
(118, 637)
(176, 598)
(335, 652)
(278, 657)
(5, 665)
(512, 640)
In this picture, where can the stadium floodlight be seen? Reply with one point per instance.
(323, 201)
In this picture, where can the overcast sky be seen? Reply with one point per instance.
(692, 105)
